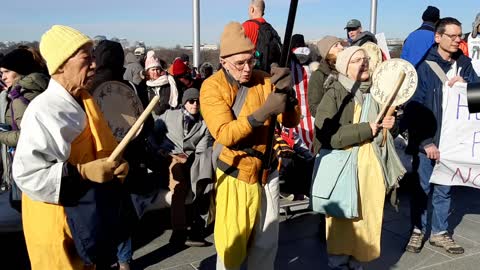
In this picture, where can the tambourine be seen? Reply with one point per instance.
(375, 54)
(386, 76)
(120, 106)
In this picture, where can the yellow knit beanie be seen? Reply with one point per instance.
(233, 40)
(59, 43)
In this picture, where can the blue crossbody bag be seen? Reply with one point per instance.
(335, 179)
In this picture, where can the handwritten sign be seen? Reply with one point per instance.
(459, 142)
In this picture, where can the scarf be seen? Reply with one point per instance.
(358, 89)
(392, 168)
(164, 80)
(103, 140)
(188, 121)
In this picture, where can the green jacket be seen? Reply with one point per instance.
(316, 88)
(32, 85)
(333, 121)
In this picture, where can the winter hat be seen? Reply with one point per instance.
(297, 41)
(475, 25)
(152, 60)
(344, 57)
(431, 14)
(139, 51)
(325, 44)
(59, 43)
(19, 60)
(190, 93)
(179, 68)
(185, 58)
(234, 41)
(109, 55)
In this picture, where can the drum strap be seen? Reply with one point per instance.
(237, 106)
(133, 86)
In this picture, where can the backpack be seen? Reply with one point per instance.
(269, 46)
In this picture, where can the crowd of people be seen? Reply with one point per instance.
(206, 139)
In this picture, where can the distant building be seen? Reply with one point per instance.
(203, 47)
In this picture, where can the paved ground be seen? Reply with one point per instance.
(301, 245)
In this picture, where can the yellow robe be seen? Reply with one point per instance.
(48, 237)
(237, 204)
(360, 237)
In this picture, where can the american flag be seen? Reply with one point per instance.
(301, 75)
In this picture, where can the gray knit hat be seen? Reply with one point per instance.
(344, 57)
(475, 25)
(325, 44)
(190, 93)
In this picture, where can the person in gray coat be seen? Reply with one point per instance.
(183, 144)
(133, 68)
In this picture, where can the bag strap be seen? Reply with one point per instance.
(134, 87)
(237, 107)
(438, 70)
(256, 22)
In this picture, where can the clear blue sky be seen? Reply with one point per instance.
(169, 22)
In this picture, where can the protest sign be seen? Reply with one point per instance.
(459, 145)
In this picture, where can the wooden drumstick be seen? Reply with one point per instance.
(391, 98)
(390, 112)
(133, 130)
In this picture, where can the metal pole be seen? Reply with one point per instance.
(292, 12)
(196, 33)
(267, 159)
(373, 17)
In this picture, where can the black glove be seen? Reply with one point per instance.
(281, 78)
(275, 104)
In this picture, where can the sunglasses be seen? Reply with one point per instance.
(192, 101)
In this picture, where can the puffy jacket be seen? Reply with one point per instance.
(31, 86)
(217, 97)
(418, 43)
(423, 113)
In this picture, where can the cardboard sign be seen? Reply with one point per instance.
(382, 43)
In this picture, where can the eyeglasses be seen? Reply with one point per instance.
(453, 37)
(192, 101)
(360, 59)
(240, 65)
